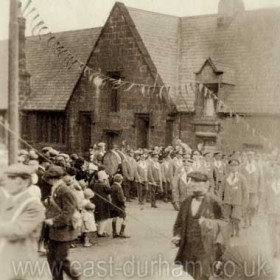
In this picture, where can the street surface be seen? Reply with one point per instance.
(148, 254)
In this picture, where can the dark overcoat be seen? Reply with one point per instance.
(102, 201)
(62, 212)
(211, 210)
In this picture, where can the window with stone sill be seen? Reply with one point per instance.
(51, 127)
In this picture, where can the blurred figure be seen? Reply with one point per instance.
(235, 196)
(20, 217)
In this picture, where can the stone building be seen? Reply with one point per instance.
(234, 53)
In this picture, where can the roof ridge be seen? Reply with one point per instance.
(152, 12)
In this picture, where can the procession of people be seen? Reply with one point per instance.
(59, 201)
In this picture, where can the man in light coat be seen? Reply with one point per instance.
(253, 176)
(20, 218)
(235, 196)
(182, 184)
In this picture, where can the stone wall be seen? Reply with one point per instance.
(117, 50)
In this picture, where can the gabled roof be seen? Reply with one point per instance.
(161, 36)
(250, 46)
(227, 71)
(51, 83)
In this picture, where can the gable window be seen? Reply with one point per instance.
(51, 127)
(114, 105)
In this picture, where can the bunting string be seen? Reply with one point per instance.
(188, 90)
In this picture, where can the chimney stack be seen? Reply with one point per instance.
(227, 10)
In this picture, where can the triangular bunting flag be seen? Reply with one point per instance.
(200, 87)
(143, 91)
(130, 87)
(237, 119)
(205, 92)
(160, 92)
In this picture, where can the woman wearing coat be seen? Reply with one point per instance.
(101, 201)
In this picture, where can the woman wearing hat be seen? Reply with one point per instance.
(101, 200)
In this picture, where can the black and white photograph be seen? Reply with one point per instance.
(140, 139)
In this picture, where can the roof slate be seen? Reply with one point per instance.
(51, 83)
(250, 45)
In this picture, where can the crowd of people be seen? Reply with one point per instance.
(80, 196)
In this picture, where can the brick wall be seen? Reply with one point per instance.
(117, 50)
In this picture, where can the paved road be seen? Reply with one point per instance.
(148, 254)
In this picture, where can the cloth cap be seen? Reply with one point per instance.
(101, 144)
(65, 156)
(198, 176)
(88, 193)
(54, 172)
(46, 149)
(102, 175)
(60, 158)
(23, 153)
(19, 170)
(53, 152)
(33, 155)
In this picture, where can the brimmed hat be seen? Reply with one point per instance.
(102, 175)
(88, 193)
(20, 170)
(54, 172)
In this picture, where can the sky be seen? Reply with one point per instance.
(62, 15)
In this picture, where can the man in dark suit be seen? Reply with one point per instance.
(195, 228)
(60, 210)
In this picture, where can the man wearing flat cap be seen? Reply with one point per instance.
(196, 228)
(20, 217)
(61, 207)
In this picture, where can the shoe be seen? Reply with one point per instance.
(115, 235)
(88, 245)
(124, 236)
(103, 234)
(154, 206)
(73, 246)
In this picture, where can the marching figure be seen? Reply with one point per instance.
(195, 229)
(253, 176)
(182, 184)
(272, 208)
(235, 194)
(218, 172)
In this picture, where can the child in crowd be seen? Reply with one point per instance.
(118, 206)
(89, 227)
